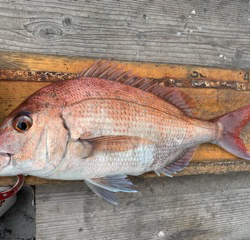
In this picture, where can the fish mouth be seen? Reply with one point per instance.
(4, 154)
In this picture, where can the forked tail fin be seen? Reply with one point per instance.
(231, 125)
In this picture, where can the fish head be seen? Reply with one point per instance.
(32, 139)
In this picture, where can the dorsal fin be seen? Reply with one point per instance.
(103, 69)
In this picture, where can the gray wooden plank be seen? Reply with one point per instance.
(209, 32)
(19, 221)
(190, 208)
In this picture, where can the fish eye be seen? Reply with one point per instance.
(22, 123)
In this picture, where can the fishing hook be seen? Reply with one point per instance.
(12, 191)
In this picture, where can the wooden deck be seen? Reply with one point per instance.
(182, 208)
(211, 33)
(43, 41)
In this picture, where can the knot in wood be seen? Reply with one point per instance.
(47, 32)
(67, 22)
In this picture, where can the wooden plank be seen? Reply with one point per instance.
(193, 208)
(19, 221)
(214, 33)
(210, 102)
(33, 67)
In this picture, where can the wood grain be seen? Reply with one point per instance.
(34, 67)
(213, 32)
(193, 208)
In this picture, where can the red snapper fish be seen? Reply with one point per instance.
(106, 125)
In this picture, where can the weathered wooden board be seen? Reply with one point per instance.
(212, 90)
(183, 208)
(19, 222)
(49, 68)
(212, 32)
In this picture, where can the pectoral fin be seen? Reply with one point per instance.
(116, 143)
(106, 187)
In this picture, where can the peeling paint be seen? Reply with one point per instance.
(221, 84)
(11, 75)
(34, 76)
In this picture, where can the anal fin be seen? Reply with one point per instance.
(106, 187)
(179, 164)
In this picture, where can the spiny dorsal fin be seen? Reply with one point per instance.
(103, 69)
(179, 164)
(176, 97)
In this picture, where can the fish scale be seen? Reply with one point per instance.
(122, 119)
(168, 133)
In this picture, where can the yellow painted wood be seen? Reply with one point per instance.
(209, 102)
(34, 62)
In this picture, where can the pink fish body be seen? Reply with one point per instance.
(101, 130)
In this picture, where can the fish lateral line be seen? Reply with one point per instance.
(186, 119)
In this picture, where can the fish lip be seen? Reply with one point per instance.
(9, 155)
(5, 152)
